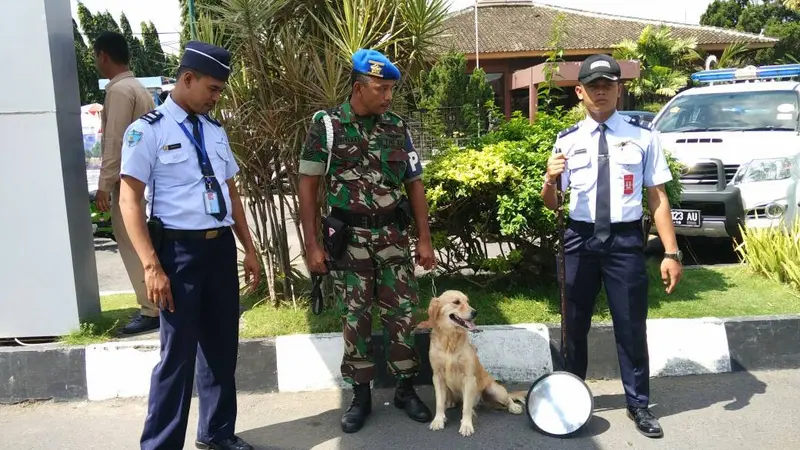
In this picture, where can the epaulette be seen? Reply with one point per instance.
(568, 130)
(635, 122)
(212, 121)
(152, 117)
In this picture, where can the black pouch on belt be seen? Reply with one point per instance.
(335, 236)
(155, 227)
(404, 213)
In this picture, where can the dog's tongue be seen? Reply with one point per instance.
(470, 325)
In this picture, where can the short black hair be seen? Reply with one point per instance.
(184, 69)
(358, 76)
(114, 45)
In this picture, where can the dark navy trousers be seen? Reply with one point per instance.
(619, 263)
(204, 327)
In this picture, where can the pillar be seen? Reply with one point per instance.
(48, 274)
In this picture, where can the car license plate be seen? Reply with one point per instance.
(691, 218)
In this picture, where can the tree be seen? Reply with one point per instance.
(292, 58)
(204, 7)
(455, 101)
(87, 73)
(147, 56)
(138, 60)
(775, 18)
(666, 62)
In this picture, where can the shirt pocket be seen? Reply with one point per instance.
(579, 166)
(219, 159)
(346, 161)
(177, 167)
(629, 160)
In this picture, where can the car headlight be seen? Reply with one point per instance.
(764, 170)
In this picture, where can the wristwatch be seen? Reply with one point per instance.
(677, 256)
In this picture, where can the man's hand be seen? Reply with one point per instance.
(252, 269)
(101, 199)
(315, 259)
(423, 254)
(555, 166)
(671, 272)
(159, 290)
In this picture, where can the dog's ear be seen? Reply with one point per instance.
(433, 310)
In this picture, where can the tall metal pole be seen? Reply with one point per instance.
(477, 58)
(477, 63)
(192, 20)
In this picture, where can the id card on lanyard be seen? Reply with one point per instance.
(210, 198)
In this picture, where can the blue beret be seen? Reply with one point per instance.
(375, 64)
(207, 59)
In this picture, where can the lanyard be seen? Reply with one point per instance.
(201, 151)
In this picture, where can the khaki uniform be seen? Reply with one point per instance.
(126, 101)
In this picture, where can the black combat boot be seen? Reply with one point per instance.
(405, 397)
(361, 406)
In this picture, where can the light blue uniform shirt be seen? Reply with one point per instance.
(162, 156)
(635, 160)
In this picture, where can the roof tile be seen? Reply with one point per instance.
(527, 27)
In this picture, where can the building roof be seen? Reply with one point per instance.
(525, 27)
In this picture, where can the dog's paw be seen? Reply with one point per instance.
(449, 404)
(514, 407)
(438, 423)
(466, 428)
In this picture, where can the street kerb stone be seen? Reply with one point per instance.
(309, 362)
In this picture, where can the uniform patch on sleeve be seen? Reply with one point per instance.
(133, 137)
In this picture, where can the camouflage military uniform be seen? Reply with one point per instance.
(367, 172)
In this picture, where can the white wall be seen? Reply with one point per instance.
(48, 276)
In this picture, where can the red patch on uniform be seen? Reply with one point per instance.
(628, 186)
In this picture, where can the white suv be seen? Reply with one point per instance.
(740, 140)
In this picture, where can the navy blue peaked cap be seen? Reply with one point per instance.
(207, 59)
(375, 64)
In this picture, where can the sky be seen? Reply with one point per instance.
(165, 14)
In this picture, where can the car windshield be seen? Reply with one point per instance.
(731, 111)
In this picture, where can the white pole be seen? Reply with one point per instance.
(477, 58)
(477, 63)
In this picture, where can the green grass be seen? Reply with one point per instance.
(704, 292)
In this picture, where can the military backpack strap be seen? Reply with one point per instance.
(152, 116)
(326, 120)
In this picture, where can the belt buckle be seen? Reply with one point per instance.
(211, 234)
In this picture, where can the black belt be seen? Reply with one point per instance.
(617, 227)
(365, 220)
(212, 233)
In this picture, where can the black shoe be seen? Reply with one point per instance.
(360, 407)
(646, 422)
(232, 443)
(141, 324)
(405, 397)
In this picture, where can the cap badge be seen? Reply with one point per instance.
(375, 68)
(597, 64)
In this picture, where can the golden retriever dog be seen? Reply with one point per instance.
(458, 375)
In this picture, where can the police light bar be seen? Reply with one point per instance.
(747, 73)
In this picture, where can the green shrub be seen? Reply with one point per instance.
(490, 193)
(773, 252)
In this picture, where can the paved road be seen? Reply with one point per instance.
(729, 411)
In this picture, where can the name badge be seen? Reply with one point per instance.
(628, 184)
(211, 202)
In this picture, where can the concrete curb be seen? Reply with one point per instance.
(512, 353)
